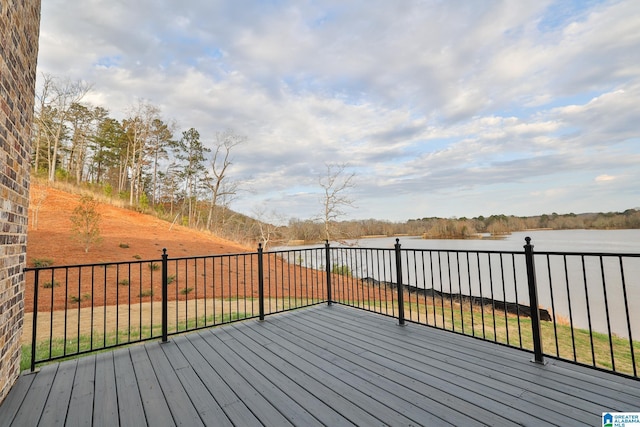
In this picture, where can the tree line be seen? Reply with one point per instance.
(139, 160)
(463, 228)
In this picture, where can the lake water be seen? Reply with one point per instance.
(584, 281)
(623, 241)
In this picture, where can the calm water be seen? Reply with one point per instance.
(560, 279)
(625, 241)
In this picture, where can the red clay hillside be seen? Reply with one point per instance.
(124, 233)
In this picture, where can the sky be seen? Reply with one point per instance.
(440, 108)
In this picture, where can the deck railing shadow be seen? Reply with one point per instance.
(585, 313)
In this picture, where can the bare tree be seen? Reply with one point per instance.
(38, 196)
(335, 184)
(138, 130)
(267, 225)
(52, 112)
(221, 189)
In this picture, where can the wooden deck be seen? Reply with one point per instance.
(317, 366)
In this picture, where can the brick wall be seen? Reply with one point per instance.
(19, 31)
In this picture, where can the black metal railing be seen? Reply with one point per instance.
(84, 308)
(585, 301)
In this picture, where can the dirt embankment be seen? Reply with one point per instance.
(125, 234)
(128, 236)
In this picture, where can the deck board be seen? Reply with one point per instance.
(82, 397)
(570, 380)
(156, 411)
(36, 397)
(130, 409)
(105, 412)
(55, 409)
(490, 383)
(291, 403)
(204, 403)
(324, 365)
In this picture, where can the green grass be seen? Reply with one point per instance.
(74, 345)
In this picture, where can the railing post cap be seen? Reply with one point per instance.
(164, 251)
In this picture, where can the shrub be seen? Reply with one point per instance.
(75, 300)
(136, 256)
(42, 262)
(154, 266)
(342, 270)
(108, 190)
(171, 279)
(147, 293)
(124, 245)
(49, 285)
(86, 222)
(124, 282)
(186, 291)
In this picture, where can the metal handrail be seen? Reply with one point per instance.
(566, 305)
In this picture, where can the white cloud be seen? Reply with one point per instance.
(418, 97)
(604, 178)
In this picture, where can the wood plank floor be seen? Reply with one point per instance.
(324, 365)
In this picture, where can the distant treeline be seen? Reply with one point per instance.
(465, 228)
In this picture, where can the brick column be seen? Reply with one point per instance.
(19, 32)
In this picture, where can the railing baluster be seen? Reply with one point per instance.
(586, 296)
(504, 299)
(606, 308)
(515, 286)
(626, 311)
(484, 336)
(493, 301)
(553, 306)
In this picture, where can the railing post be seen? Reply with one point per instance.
(327, 256)
(34, 320)
(260, 282)
(165, 294)
(399, 286)
(533, 301)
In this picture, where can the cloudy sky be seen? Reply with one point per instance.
(441, 108)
